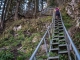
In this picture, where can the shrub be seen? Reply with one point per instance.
(6, 55)
(21, 56)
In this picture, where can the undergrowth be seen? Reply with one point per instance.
(76, 39)
(8, 55)
(22, 40)
(68, 22)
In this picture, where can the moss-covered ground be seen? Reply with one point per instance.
(19, 45)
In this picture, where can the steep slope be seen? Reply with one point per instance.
(71, 19)
(19, 37)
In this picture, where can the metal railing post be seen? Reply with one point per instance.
(49, 34)
(38, 46)
(46, 46)
(34, 57)
(53, 22)
(68, 44)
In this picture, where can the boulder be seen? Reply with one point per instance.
(17, 28)
(43, 47)
(35, 39)
(73, 11)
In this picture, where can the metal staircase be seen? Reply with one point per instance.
(58, 46)
(61, 45)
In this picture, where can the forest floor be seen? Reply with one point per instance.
(21, 37)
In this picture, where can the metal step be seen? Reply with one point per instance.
(54, 46)
(60, 26)
(56, 22)
(55, 49)
(56, 33)
(58, 42)
(55, 43)
(60, 23)
(55, 36)
(62, 45)
(62, 40)
(53, 58)
(59, 20)
(55, 27)
(61, 36)
(63, 52)
(61, 30)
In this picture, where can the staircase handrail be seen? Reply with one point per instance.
(41, 41)
(71, 41)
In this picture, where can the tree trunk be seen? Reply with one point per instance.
(42, 5)
(16, 10)
(36, 8)
(37, 5)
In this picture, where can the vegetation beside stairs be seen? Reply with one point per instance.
(19, 45)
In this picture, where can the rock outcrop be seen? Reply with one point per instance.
(73, 10)
(17, 28)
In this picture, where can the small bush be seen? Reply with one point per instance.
(21, 56)
(77, 35)
(6, 55)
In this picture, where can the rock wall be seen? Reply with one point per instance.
(73, 10)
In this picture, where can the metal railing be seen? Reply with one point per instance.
(43, 40)
(71, 46)
(48, 35)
